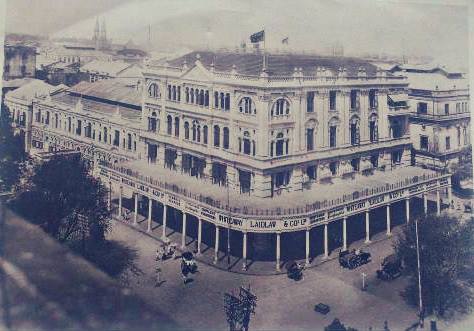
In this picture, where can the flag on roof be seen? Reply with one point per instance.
(285, 41)
(257, 37)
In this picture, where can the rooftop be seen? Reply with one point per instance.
(316, 197)
(434, 81)
(124, 91)
(33, 89)
(276, 64)
(111, 68)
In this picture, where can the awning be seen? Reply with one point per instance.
(396, 98)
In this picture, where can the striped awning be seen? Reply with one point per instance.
(396, 98)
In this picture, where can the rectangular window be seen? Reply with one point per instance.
(458, 107)
(333, 168)
(448, 143)
(332, 100)
(310, 102)
(373, 99)
(79, 127)
(47, 118)
(311, 172)
(332, 136)
(396, 157)
(310, 139)
(354, 100)
(424, 143)
(446, 109)
(422, 108)
(355, 163)
(116, 138)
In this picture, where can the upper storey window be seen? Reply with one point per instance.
(354, 100)
(332, 100)
(174, 93)
(221, 100)
(373, 102)
(247, 106)
(153, 91)
(280, 107)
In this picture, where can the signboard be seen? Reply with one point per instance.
(143, 188)
(443, 181)
(104, 172)
(262, 225)
(208, 214)
(295, 223)
(174, 200)
(356, 206)
(114, 178)
(193, 209)
(160, 196)
(316, 218)
(335, 213)
(431, 185)
(416, 189)
(233, 222)
(375, 201)
(128, 182)
(396, 195)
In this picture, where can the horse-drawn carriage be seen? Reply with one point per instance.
(354, 258)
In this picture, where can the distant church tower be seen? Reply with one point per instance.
(100, 35)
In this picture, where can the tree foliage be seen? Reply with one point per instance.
(12, 153)
(66, 200)
(446, 258)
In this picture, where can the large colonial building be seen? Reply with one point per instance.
(265, 146)
(440, 119)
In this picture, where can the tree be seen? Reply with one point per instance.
(66, 200)
(446, 246)
(12, 153)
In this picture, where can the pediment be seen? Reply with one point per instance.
(197, 73)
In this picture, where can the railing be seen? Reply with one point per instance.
(318, 205)
(442, 116)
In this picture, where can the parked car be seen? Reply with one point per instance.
(391, 267)
(322, 308)
(354, 258)
(188, 262)
(294, 270)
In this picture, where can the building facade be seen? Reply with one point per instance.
(440, 119)
(269, 124)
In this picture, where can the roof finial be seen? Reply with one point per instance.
(117, 112)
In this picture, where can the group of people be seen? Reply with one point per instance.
(168, 250)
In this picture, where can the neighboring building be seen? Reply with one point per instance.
(440, 120)
(100, 36)
(19, 62)
(60, 73)
(72, 54)
(20, 104)
(98, 70)
(266, 147)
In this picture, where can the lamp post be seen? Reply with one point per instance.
(420, 300)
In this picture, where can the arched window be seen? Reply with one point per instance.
(179, 93)
(198, 134)
(280, 107)
(309, 139)
(56, 120)
(222, 100)
(354, 131)
(187, 94)
(225, 142)
(280, 141)
(169, 92)
(246, 106)
(201, 98)
(169, 125)
(174, 93)
(105, 135)
(129, 141)
(216, 99)
(217, 133)
(186, 130)
(206, 99)
(227, 101)
(197, 96)
(192, 95)
(153, 91)
(88, 130)
(194, 132)
(152, 122)
(204, 134)
(176, 126)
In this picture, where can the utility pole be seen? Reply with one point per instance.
(420, 301)
(363, 280)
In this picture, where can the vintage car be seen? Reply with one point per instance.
(294, 270)
(391, 267)
(354, 258)
(322, 308)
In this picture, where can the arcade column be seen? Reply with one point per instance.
(163, 236)
(344, 234)
(120, 202)
(367, 226)
(407, 209)
(150, 208)
(183, 234)
(244, 251)
(389, 230)
(278, 251)
(199, 235)
(216, 245)
(135, 211)
(326, 246)
(307, 246)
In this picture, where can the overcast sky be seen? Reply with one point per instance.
(373, 26)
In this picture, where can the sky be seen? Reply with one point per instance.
(411, 27)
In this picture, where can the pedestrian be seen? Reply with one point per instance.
(158, 271)
(184, 272)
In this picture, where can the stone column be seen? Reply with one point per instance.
(120, 202)
(389, 230)
(244, 251)
(326, 246)
(438, 203)
(163, 236)
(216, 245)
(450, 196)
(344, 234)
(109, 201)
(135, 212)
(407, 209)
(199, 236)
(367, 227)
(183, 234)
(150, 208)
(425, 202)
(307, 246)
(278, 252)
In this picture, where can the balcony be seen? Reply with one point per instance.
(441, 117)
